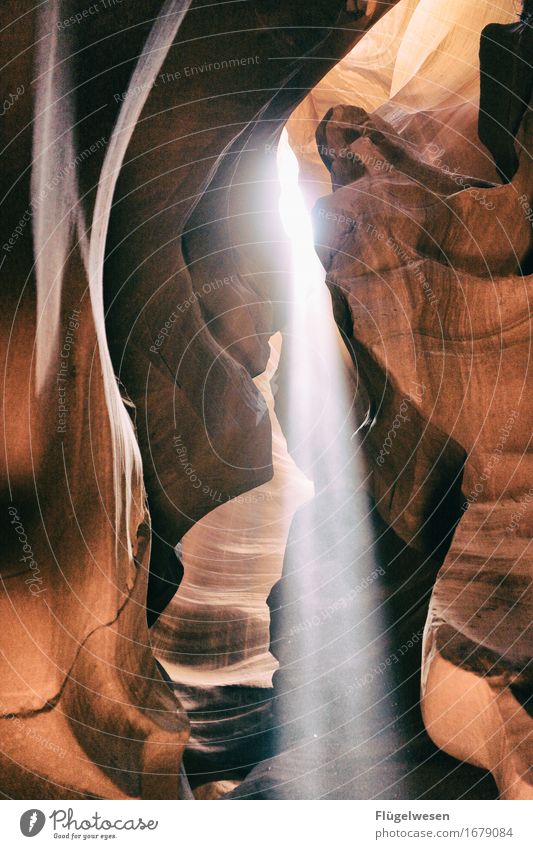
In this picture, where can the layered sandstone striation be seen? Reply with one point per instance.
(429, 274)
(132, 245)
(141, 241)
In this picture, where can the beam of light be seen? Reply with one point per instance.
(326, 624)
(322, 390)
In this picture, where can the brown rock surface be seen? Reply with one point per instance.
(85, 712)
(140, 239)
(507, 84)
(430, 289)
(190, 326)
(111, 145)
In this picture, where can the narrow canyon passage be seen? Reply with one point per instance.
(266, 413)
(338, 714)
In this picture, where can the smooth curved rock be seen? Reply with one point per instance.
(189, 326)
(85, 711)
(506, 87)
(397, 72)
(430, 290)
(111, 146)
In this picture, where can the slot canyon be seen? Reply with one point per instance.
(267, 462)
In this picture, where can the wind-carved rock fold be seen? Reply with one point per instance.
(429, 275)
(111, 146)
(138, 241)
